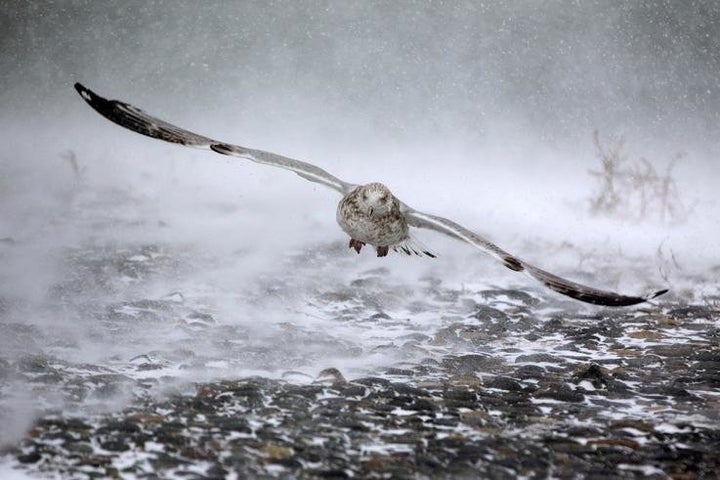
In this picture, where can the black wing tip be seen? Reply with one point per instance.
(221, 148)
(617, 301)
(657, 294)
(87, 94)
(513, 263)
(587, 294)
(92, 98)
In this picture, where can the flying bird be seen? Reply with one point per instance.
(370, 214)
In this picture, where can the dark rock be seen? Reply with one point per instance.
(603, 329)
(118, 426)
(682, 351)
(329, 474)
(540, 358)
(353, 391)
(529, 371)
(216, 472)
(32, 457)
(484, 312)
(34, 364)
(373, 381)
(402, 372)
(710, 356)
(80, 448)
(593, 373)
(232, 424)
(250, 393)
(644, 361)
(553, 325)
(470, 363)
(459, 397)
(560, 392)
(693, 312)
(424, 404)
(516, 295)
(504, 383)
(115, 446)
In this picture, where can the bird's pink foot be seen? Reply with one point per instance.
(382, 251)
(356, 244)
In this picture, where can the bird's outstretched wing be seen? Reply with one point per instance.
(138, 121)
(560, 285)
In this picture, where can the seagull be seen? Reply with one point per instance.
(370, 214)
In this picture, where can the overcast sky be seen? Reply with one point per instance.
(405, 68)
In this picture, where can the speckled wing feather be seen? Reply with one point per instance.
(138, 121)
(566, 287)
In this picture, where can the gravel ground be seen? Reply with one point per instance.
(321, 370)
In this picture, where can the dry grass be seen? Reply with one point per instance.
(634, 189)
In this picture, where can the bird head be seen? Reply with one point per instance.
(375, 199)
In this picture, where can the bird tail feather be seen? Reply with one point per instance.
(412, 247)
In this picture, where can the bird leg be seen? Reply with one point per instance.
(382, 251)
(356, 244)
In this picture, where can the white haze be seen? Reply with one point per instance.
(483, 114)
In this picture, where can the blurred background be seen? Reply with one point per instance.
(481, 112)
(583, 136)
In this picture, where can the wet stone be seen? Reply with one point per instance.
(677, 351)
(353, 391)
(72, 423)
(529, 371)
(115, 446)
(484, 312)
(424, 405)
(504, 383)
(710, 356)
(34, 364)
(329, 474)
(513, 399)
(458, 397)
(644, 361)
(470, 363)
(401, 401)
(540, 358)
(560, 392)
(118, 426)
(250, 394)
(594, 374)
(232, 424)
(513, 295)
(373, 381)
(82, 448)
(693, 312)
(31, 457)
(706, 374)
(553, 325)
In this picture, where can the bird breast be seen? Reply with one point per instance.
(378, 230)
